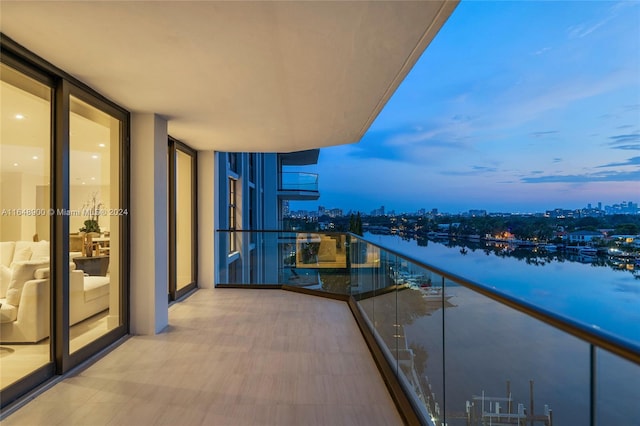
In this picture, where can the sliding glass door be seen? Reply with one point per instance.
(182, 219)
(25, 231)
(64, 163)
(95, 223)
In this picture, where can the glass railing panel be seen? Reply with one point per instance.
(502, 365)
(617, 385)
(420, 302)
(313, 260)
(299, 181)
(401, 302)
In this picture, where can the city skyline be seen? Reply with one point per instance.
(622, 207)
(515, 106)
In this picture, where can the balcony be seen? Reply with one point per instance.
(461, 352)
(229, 357)
(298, 186)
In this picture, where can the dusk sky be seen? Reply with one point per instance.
(515, 106)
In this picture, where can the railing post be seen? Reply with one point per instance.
(592, 387)
(444, 361)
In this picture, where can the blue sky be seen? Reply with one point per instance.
(515, 106)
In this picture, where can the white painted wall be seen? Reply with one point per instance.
(149, 224)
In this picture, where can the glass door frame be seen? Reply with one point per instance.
(64, 359)
(176, 146)
(63, 86)
(27, 383)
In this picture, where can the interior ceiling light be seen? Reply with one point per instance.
(101, 145)
(19, 117)
(15, 164)
(35, 157)
(93, 178)
(94, 156)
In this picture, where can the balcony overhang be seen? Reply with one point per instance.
(237, 76)
(299, 158)
(298, 195)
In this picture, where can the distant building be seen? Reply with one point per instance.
(477, 213)
(378, 212)
(626, 207)
(334, 212)
(559, 213)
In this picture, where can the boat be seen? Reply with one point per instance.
(550, 247)
(524, 244)
(588, 251)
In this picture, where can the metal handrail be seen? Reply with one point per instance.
(621, 347)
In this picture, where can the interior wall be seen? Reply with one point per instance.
(11, 228)
(18, 195)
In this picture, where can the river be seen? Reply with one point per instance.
(488, 345)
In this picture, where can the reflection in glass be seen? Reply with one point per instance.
(617, 390)
(94, 224)
(24, 225)
(184, 223)
(494, 351)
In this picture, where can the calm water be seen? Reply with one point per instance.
(596, 295)
(488, 344)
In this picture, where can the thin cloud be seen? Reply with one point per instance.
(542, 134)
(626, 142)
(634, 107)
(586, 28)
(634, 161)
(631, 147)
(541, 51)
(415, 145)
(557, 160)
(630, 137)
(475, 171)
(613, 176)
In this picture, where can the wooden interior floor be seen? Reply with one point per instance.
(229, 357)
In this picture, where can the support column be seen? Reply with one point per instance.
(149, 224)
(206, 228)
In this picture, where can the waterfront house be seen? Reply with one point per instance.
(585, 236)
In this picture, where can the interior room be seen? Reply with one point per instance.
(25, 231)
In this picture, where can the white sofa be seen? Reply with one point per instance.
(25, 292)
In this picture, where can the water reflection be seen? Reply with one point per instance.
(536, 256)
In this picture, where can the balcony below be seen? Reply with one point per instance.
(230, 356)
(298, 186)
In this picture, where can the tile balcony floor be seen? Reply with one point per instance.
(229, 357)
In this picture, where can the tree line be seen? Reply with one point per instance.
(521, 227)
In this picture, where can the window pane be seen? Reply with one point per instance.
(25, 146)
(94, 223)
(184, 215)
